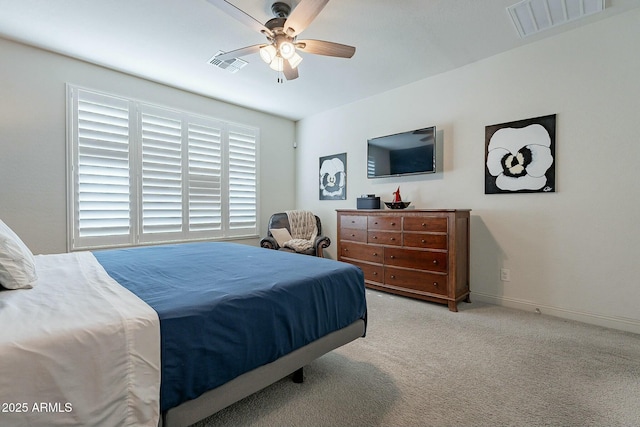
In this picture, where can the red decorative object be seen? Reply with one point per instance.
(397, 197)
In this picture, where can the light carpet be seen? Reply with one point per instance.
(422, 365)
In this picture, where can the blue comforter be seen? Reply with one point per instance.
(227, 308)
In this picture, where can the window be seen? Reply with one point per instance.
(142, 174)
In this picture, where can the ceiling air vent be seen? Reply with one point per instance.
(533, 16)
(232, 65)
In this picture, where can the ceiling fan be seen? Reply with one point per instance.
(281, 49)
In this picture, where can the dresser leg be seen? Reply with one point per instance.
(453, 306)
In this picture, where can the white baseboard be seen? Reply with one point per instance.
(620, 323)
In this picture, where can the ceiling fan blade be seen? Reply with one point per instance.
(303, 14)
(241, 16)
(239, 52)
(289, 72)
(321, 47)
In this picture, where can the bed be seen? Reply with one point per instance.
(167, 335)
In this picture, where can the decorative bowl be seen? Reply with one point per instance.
(397, 205)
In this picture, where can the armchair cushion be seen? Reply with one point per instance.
(281, 235)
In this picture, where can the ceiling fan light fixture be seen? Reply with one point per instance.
(295, 60)
(277, 64)
(268, 53)
(286, 49)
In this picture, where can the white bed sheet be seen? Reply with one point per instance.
(77, 350)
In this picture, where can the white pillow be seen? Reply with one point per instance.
(17, 265)
(281, 235)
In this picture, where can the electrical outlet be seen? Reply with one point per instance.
(505, 274)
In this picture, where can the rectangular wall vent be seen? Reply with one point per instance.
(532, 16)
(232, 65)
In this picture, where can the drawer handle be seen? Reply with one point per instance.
(375, 273)
(435, 262)
(376, 223)
(392, 257)
(353, 235)
(375, 237)
(393, 238)
(393, 223)
(435, 284)
(375, 254)
(393, 277)
(424, 225)
(346, 250)
(423, 241)
(353, 221)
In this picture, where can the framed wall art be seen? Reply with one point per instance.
(520, 156)
(333, 177)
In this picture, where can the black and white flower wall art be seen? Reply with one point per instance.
(333, 177)
(520, 156)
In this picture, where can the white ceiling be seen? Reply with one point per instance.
(170, 41)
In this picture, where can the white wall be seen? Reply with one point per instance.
(33, 138)
(574, 253)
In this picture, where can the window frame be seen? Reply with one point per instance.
(136, 236)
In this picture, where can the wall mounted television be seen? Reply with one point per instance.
(407, 153)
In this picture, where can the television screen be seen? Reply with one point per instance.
(403, 153)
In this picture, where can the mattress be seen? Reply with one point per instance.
(226, 308)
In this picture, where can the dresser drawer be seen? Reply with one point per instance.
(425, 241)
(354, 234)
(362, 252)
(385, 223)
(353, 221)
(384, 238)
(411, 258)
(425, 223)
(416, 280)
(372, 272)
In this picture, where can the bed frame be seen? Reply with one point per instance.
(246, 384)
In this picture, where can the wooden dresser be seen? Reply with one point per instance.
(416, 253)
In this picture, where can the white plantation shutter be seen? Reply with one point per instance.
(143, 174)
(243, 215)
(100, 167)
(205, 176)
(161, 192)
